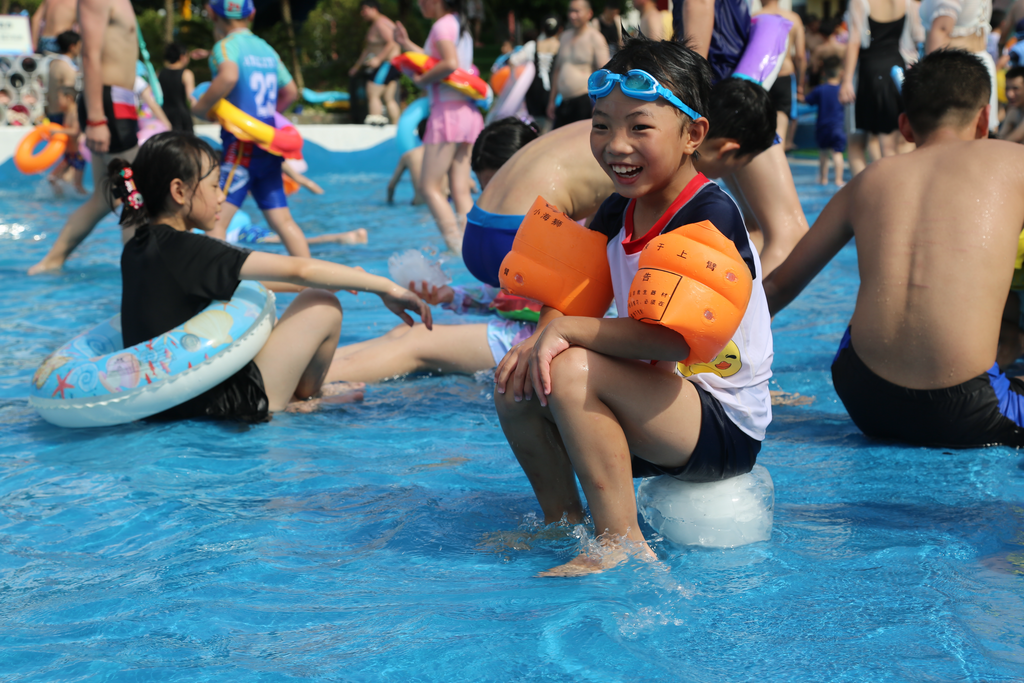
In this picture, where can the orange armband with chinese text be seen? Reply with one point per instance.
(693, 281)
(558, 262)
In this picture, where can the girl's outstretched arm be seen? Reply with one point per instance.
(310, 272)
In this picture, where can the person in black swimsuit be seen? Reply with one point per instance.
(177, 82)
(878, 103)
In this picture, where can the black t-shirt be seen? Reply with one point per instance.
(169, 276)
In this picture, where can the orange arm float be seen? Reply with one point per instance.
(558, 262)
(693, 281)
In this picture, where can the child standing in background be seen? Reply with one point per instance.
(829, 131)
(455, 121)
(249, 74)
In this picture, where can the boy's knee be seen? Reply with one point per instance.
(570, 369)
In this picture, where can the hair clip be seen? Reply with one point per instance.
(128, 192)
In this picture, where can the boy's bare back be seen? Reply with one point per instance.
(936, 233)
(558, 166)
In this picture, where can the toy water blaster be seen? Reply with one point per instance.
(766, 50)
(558, 262)
(416, 63)
(693, 281)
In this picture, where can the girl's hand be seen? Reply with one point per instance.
(846, 94)
(515, 366)
(417, 80)
(401, 35)
(550, 343)
(433, 295)
(399, 300)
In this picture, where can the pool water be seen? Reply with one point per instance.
(358, 543)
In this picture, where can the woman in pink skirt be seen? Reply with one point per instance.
(455, 121)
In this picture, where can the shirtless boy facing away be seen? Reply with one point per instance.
(917, 363)
(52, 18)
(583, 50)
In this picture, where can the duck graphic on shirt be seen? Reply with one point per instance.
(726, 363)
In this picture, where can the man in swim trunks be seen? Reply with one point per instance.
(375, 60)
(249, 74)
(582, 51)
(106, 111)
(52, 18)
(719, 30)
(918, 361)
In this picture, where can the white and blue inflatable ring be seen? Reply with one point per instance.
(93, 381)
(406, 135)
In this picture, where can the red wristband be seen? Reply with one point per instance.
(101, 122)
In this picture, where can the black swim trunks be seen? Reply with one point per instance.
(781, 95)
(240, 397)
(723, 450)
(122, 118)
(983, 411)
(574, 109)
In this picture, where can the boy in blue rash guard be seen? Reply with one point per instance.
(248, 73)
(611, 403)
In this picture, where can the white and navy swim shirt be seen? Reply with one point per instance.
(738, 377)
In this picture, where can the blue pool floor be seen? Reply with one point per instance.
(375, 541)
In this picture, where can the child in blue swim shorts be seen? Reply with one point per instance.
(248, 73)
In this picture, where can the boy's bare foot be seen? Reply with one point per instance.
(607, 557)
(785, 398)
(330, 394)
(357, 236)
(342, 392)
(80, 189)
(48, 263)
(840, 183)
(58, 191)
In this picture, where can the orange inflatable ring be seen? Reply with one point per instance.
(558, 262)
(693, 281)
(28, 162)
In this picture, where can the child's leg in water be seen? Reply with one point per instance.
(837, 161)
(823, 157)
(357, 236)
(599, 411)
(295, 359)
(281, 221)
(446, 349)
(460, 183)
(437, 162)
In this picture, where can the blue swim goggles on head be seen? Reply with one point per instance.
(637, 84)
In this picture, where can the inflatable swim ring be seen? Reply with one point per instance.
(93, 381)
(415, 63)
(693, 281)
(406, 135)
(284, 142)
(511, 101)
(766, 50)
(717, 514)
(558, 262)
(25, 158)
